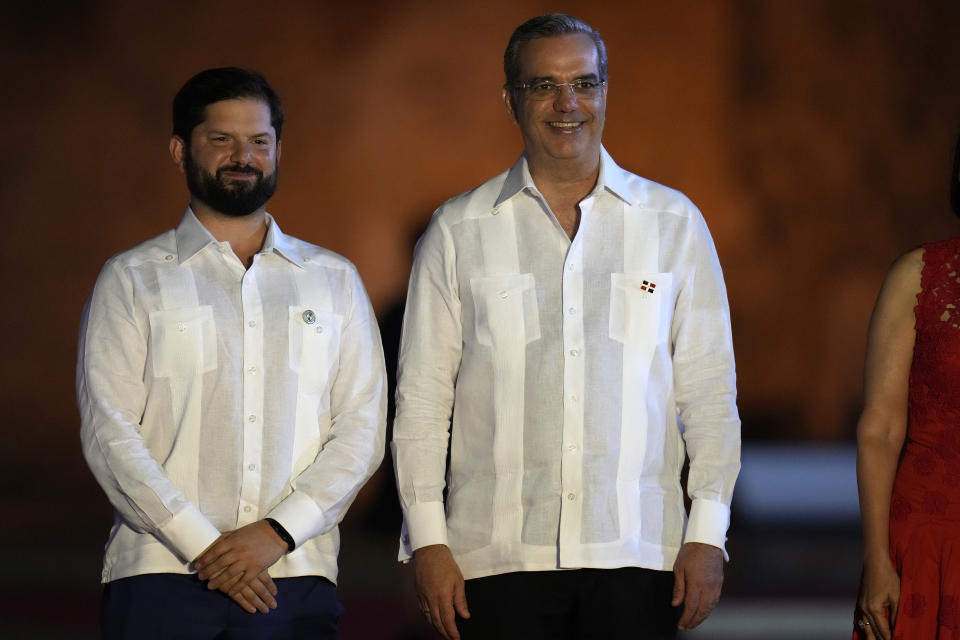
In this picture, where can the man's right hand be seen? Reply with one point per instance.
(440, 589)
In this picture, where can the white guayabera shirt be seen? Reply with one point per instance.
(569, 378)
(213, 396)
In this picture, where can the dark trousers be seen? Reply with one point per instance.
(170, 606)
(581, 604)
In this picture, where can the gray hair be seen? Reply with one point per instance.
(553, 24)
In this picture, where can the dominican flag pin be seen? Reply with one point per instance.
(648, 287)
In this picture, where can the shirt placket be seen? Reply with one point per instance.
(571, 466)
(252, 310)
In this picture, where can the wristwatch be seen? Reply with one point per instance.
(283, 533)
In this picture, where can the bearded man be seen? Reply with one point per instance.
(231, 387)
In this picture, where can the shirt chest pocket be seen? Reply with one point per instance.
(314, 344)
(183, 342)
(640, 307)
(505, 309)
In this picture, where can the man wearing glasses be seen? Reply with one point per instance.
(566, 346)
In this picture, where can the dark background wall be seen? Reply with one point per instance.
(815, 135)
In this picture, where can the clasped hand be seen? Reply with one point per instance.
(237, 562)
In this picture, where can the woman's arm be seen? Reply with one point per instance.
(880, 434)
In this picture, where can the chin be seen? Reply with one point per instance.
(567, 153)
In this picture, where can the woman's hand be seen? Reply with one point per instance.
(879, 598)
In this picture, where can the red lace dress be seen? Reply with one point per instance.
(925, 505)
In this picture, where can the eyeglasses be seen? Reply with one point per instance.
(547, 90)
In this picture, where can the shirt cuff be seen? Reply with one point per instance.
(300, 516)
(426, 524)
(189, 533)
(708, 523)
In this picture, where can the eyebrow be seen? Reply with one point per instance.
(218, 132)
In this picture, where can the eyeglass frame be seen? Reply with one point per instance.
(527, 86)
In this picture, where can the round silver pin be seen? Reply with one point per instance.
(309, 316)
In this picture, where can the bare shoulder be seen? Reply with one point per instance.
(890, 343)
(903, 280)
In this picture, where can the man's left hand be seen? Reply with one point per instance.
(238, 557)
(697, 579)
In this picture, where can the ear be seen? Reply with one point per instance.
(279, 150)
(177, 149)
(508, 104)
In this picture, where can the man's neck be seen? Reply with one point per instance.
(564, 185)
(245, 234)
(564, 174)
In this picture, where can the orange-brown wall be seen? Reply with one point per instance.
(815, 135)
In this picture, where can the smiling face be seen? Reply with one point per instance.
(565, 128)
(232, 157)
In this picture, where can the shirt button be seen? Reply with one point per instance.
(319, 329)
(181, 327)
(252, 323)
(168, 257)
(252, 370)
(251, 418)
(503, 294)
(571, 447)
(574, 352)
(571, 311)
(571, 496)
(573, 398)
(247, 509)
(251, 467)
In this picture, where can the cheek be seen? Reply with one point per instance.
(208, 157)
(533, 114)
(599, 114)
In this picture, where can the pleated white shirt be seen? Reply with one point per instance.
(212, 396)
(567, 381)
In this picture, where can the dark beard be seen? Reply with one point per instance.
(236, 199)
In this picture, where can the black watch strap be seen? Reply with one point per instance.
(283, 533)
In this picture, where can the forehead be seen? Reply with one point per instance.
(564, 56)
(249, 115)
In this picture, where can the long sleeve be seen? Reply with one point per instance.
(112, 397)
(428, 365)
(354, 444)
(705, 388)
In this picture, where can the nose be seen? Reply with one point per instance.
(242, 151)
(566, 99)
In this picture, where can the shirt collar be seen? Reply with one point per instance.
(281, 244)
(518, 180)
(611, 178)
(193, 237)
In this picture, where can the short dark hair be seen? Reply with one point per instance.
(214, 85)
(553, 24)
(955, 180)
